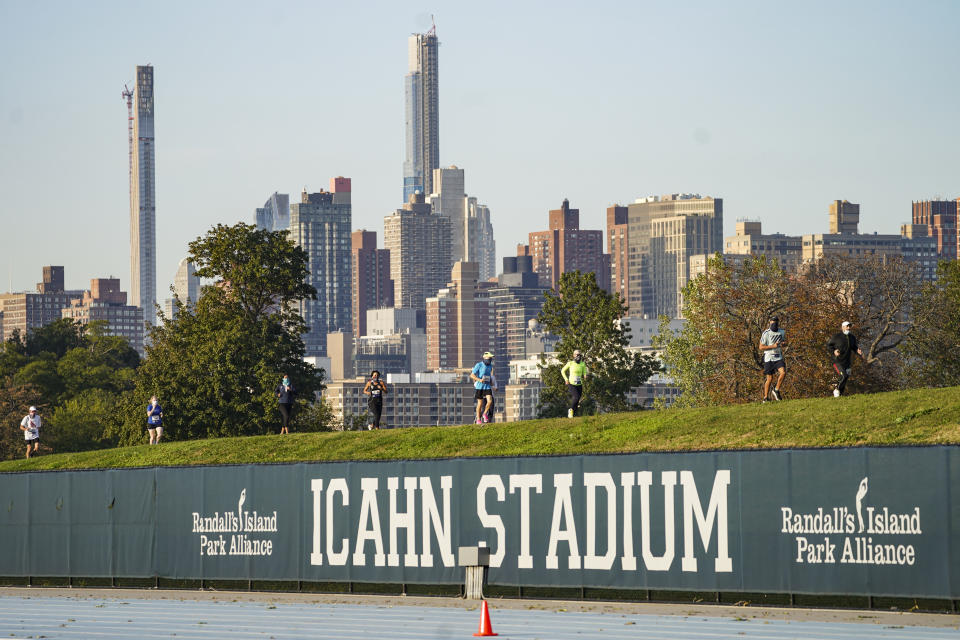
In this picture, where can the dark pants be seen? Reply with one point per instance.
(286, 410)
(575, 392)
(376, 408)
(842, 370)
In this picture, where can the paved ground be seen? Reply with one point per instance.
(63, 613)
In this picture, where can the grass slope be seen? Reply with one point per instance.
(920, 416)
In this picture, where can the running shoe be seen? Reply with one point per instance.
(486, 418)
(777, 395)
(836, 393)
(478, 421)
(569, 413)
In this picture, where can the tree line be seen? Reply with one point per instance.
(214, 365)
(909, 331)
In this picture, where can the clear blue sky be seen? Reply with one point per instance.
(776, 107)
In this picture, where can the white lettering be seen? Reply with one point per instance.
(669, 480)
(628, 561)
(337, 485)
(716, 512)
(403, 520)
(525, 482)
(563, 510)
(369, 513)
(591, 481)
(494, 522)
(431, 516)
(316, 486)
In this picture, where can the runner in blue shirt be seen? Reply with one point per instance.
(154, 420)
(485, 384)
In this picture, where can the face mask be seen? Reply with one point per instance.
(286, 381)
(577, 359)
(375, 378)
(846, 332)
(487, 361)
(774, 326)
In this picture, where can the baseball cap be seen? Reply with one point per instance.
(33, 408)
(487, 354)
(846, 323)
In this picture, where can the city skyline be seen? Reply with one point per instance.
(736, 104)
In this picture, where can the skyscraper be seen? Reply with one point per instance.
(143, 213)
(459, 321)
(372, 286)
(662, 234)
(422, 117)
(320, 224)
(480, 245)
(566, 247)
(448, 200)
(274, 215)
(419, 245)
(617, 247)
(940, 219)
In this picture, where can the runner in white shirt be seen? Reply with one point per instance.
(30, 425)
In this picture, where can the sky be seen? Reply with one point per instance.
(778, 108)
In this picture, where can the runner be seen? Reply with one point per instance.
(771, 344)
(376, 389)
(842, 346)
(485, 384)
(574, 375)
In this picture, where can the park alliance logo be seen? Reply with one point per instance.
(244, 529)
(836, 534)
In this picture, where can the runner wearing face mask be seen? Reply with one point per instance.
(771, 345)
(376, 390)
(574, 375)
(485, 384)
(842, 347)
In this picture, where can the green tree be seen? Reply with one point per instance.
(86, 421)
(15, 400)
(214, 367)
(57, 338)
(586, 317)
(933, 346)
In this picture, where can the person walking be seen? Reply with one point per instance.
(154, 420)
(376, 389)
(574, 375)
(30, 425)
(484, 383)
(285, 392)
(772, 341)
(842, 347)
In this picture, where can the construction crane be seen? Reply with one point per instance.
(127, 95)
(433, 27)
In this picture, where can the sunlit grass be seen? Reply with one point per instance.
(920, 416)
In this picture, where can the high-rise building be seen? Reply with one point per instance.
(940, 219)
(372, 286)
(186, 287)
(663, 232)
(143, 212)
(750, 240)
(566, 247)
(459, 321)
(481, 247)
(419, 245)
(515, 300)
(107, 303)
(617, 234)
(448, 200)
(274, 215)
(52, 280)
(321, 225)
(422, 114)
(32, 310)
(913, 245)
(844, 217)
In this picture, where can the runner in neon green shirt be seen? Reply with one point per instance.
(574, 374)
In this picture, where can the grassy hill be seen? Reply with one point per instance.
(921, 416)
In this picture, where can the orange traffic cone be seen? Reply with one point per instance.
(486, 629)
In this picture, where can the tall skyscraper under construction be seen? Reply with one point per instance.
(143, 213)
(422, 120)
